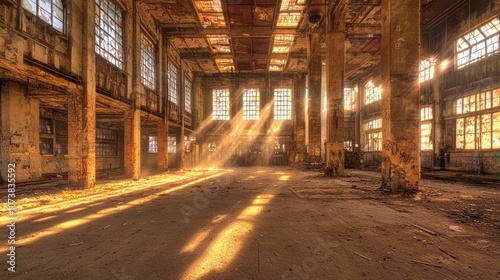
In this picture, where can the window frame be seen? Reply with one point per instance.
(52, 13)
(106, 142)
(221, 109)
(372, 128)
(148, 62)
(282, 109)
(117, 58)
(173, 83)
(466, 46)
(188, 98)
(251, 104)
(372, 93)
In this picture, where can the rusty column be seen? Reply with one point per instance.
(314, 97)
(335, 53)
(400, 95)
(132, 120)
(300, 118)
(82, 111)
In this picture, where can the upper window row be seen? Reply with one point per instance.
(251, 104)
(50, 11)
(479, 43)
(372, 93)
(477, 102)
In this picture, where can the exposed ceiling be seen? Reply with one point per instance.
(270, 36)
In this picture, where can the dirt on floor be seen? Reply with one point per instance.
(253, 223)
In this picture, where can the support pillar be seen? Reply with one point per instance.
(314, 98)
(19, 133)
(400, 95)
(132, 131)
(300, 119)
(161, 138)
(82, 112)
(335, 53)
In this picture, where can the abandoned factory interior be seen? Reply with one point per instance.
(250, 139)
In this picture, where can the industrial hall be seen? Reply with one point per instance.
(250, 139)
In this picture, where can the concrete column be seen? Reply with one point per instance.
(132, 132)
(82, 111)
(314, 100)
(400, 95)
(162, 137)
(335, 53)
(132, 120)
(19, 134)
(300, 118)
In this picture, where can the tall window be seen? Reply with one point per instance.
(188, 95)
(477, 102)
(148, 62)
(173, 95)
(109, 32)
(426, 128)
(172, 144)
(221, 104)
(479, 43)
(349, 98)
(373, 135)
(426, 70)
(106, 142)
(153, 144)
(50, 11)
(372, 93)
(251, 104)
(282, 104)
(474, 130)
(480, 131)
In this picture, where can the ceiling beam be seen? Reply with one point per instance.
(250, 32)
(248, 56)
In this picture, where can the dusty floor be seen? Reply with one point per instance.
(256, 223)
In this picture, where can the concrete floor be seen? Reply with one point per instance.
(256, 223)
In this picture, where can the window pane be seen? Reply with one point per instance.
(486, 131)
(188, 95)
(148, 62)
(221, 104)
(495, 118)
(478, 43)
(153, 144)
(109, 42)
(460, 134)
(282, 104)
(251, 104)
(173, 95)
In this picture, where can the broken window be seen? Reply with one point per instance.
(61, 147)
(349, 98)
(348, 146)
(373, 135)
(426, 128)
(172, 144)
(148, 62)
(106, 142)
(46, 130)
(172, 74)
(426, 70)
(480, 131)
(212, 147)
(109, 32)
(188, 95)
(479, 43)
(50, 11)
(153, 144)
(477, 102)
(282, 104)
(372, 93)
(221, 104)
(251, 104)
